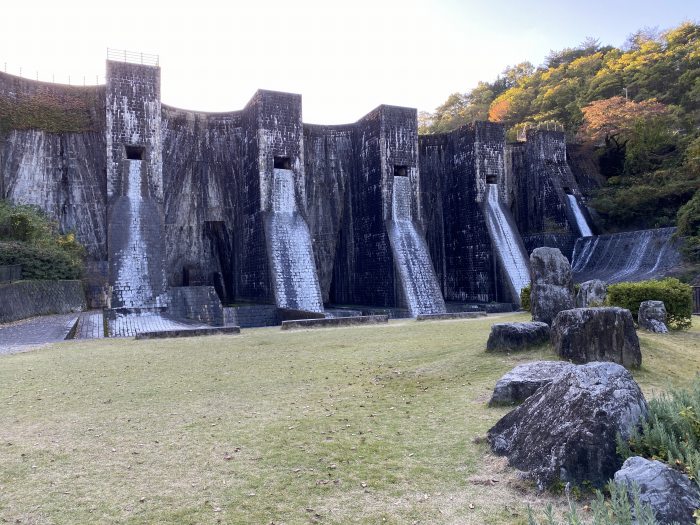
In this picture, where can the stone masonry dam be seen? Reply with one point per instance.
(268, 210)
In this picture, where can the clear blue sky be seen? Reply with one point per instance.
(345, 58)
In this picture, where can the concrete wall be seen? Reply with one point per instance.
(23, 299)
(207, 188)
(541, 180)
(454, 168)
(135, 186)
(199, 303)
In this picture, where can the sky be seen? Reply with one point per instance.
(345, 58)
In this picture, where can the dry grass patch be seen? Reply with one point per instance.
(372, 424)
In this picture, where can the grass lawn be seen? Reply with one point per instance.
(372, 424)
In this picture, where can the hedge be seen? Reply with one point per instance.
(41, 261)
(677, 297)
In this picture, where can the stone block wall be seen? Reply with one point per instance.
(199, 303)
(202, 159)
(135, 186)
(206, 188)
(251, 316)
(541, 181)
(454, 178)
(23, 299)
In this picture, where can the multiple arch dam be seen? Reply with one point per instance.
(271, 211)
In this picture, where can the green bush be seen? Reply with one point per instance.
(671, 433)
(29, 238)
(676, 295)
(617, 510)
(525, 298)
(41, 261)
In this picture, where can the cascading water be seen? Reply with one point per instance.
(420, 285)
(509, 248)
(580, 217)
(133, 275)
(290, 251)
(628, 256)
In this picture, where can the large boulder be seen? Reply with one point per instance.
(652, 316)
(524, 380)
(511, 337)
(669, 493)
(591, 293)
(552, 287)
(583, 335)
(567, 431)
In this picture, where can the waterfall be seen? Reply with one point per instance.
(420, 285)
(580, 217)
(628, 256)
(290, 249)
(133, 283)
(506, 239)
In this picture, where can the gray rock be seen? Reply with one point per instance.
(524, 380)
(567, 431)
(510, 337)
(652, 316)
(591, 293)
(552, 287)
(583, 335)
(670, 494)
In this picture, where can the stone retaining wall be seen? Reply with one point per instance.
(199, 303)
(24, 299)
(251, 316)
(334, 322)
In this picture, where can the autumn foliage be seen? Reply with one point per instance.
(610, 118)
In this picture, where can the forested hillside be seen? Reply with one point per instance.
(636, 109)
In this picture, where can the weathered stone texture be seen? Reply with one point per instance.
(583, 335)
(652, 316)
(512, 337)
(542, 179)
(454, 187)
(591, 293)
(670, 494)
(199, 303)
(567, 430)
(524, 380)
(552, 288)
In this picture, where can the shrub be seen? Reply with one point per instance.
(676, 295)
(525, 298)
(618, 510)
(29, 238)
(41, 261)
(671, 433)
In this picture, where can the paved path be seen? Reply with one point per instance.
(37, 331)
(130, 324)
(91, 325)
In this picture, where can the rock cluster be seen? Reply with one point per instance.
(567, 430)
(552, 286)
(583, 335)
